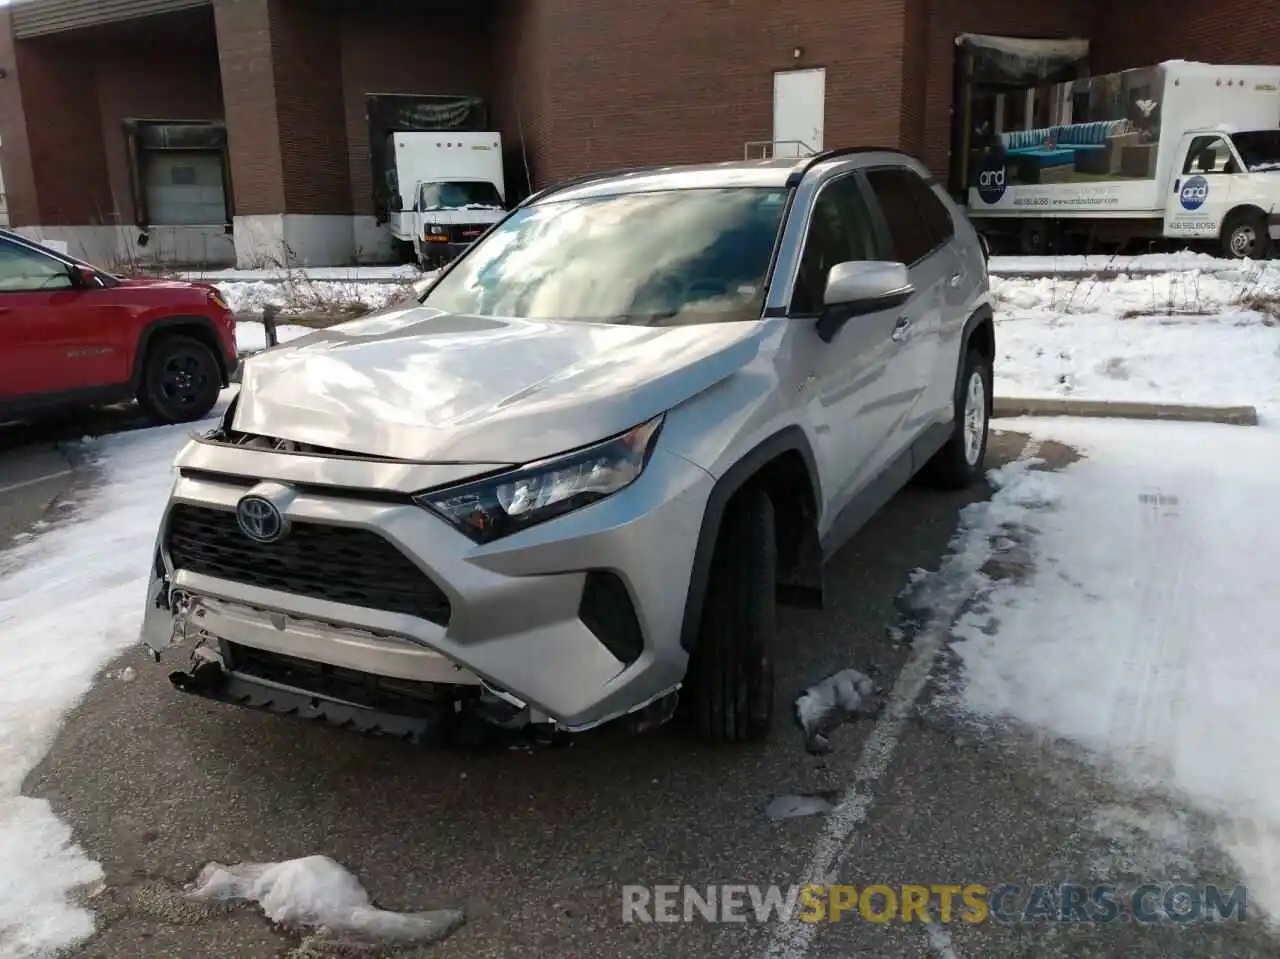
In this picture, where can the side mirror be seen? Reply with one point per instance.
(859, 287)
(82, 277)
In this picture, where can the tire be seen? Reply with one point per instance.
(728, 692)
(404, 251)
(958, 464)
(1245, 235)
(181, 379)
(1034, 238)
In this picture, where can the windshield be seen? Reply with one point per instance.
(1259, 150)
(664, 258)
(458, 195)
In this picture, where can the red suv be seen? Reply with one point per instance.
(75, 335)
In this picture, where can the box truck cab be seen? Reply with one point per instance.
(1226, 188)
(447, 189)
(1186, 151)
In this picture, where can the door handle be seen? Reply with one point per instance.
(956, 279)
(901, 329)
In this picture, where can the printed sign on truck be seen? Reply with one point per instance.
(1107, 132)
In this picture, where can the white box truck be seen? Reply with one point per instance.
(446, 190)
(1188, 151)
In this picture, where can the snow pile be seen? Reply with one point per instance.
(252, 296)
(1079, 265)
(70, 600)
(1165, 294)
(328, 274)
(1144, 628)
(251, 336)
(1116, 340)
(317, 893)
(834, 701)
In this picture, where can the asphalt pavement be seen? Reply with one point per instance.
(535, 846)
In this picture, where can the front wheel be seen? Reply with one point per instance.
(181, 380)
(728, 692)
(1245, 236)
(959, 463)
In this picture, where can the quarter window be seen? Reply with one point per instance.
(918, 221)
(840, 230)
(23, 270)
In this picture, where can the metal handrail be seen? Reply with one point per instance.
(769, 149)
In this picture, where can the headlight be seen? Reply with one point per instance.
(501, 505)
(216, 298)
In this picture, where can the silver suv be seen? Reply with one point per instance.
(570, 484)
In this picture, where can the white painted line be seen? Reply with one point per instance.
(792, 937)
(35, 480)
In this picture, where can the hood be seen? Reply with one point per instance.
(161, 282)
(422, 385)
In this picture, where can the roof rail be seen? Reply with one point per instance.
(808, 163)
(585, 178)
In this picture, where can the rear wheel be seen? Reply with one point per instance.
(728, 692)
(959, 463)
(1245, 236)
(181, 379)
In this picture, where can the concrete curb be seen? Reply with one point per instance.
(1005, 407)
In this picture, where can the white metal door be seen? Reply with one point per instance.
(799, 110)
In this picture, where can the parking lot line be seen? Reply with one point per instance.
(793, 938)
(35, 480)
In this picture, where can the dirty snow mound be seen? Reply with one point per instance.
(317, 893)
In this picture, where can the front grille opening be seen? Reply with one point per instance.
(386, 694)
(340, 564)
(606, 609)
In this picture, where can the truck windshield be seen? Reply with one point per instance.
(665, 258)
(1259, 150)
(458, 195)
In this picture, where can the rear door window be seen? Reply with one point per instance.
(918, 222)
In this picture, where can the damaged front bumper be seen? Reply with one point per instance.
(513, 649)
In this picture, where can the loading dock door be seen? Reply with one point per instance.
(799, 111)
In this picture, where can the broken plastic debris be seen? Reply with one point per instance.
(834, 701)
(316, 892)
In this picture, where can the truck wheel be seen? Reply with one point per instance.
(181, 379)
(1034, 239)
(728, 692)
(958, 464)
(404, 251)
(1245, 236)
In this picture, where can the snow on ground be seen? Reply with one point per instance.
(251, 336)
(343, 274)
(1175, 338)
(1142, 263)
(251, 296)
(71, 599)
(317, 893)
(1146, 629)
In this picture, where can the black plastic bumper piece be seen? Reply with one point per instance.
(210, 681)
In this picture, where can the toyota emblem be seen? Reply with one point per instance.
(259, 519)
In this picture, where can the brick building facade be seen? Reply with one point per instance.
(272, 96)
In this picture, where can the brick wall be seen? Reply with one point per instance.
(654, 81)
(1136, 33)
(249, 102)
(127, 88)
(521, 92)
(15, 146)
(441, 51)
